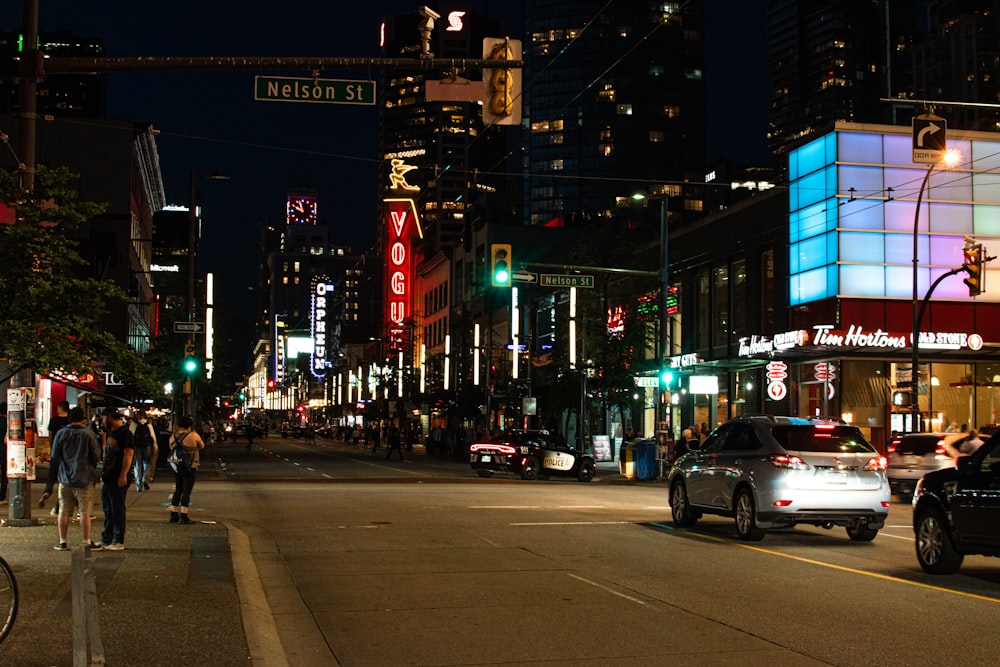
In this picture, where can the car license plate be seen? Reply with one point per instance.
(836, 477)
(912, 460)
(485, 458)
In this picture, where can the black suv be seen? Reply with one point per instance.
(530, 454)
(956, 511)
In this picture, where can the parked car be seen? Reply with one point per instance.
(956, 511)
(913, 455)
(530, 454)
(776, 472)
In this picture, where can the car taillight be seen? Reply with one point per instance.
(893, 446)
(790, 462)
(489, 447)
(940, 452)
(876, 463)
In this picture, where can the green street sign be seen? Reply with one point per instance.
(322, 91)
(565, 280)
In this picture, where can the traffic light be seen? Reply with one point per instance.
(973, 265)
(666, 378)
(500, 267)
(190, 361)
(503, 84)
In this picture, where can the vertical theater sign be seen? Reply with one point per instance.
(402, 229)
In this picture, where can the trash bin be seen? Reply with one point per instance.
(626, 461)
(644, 454)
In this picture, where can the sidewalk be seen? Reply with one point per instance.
(169, 598)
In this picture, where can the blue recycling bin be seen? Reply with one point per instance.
(644, 453)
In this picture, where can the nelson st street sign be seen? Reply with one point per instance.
(322, 91)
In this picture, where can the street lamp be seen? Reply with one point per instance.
(949, 159)
(663, 334)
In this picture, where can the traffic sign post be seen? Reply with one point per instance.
(929, 138)
(323, 91)
(525, 277)
(189, 327)
(566, 280)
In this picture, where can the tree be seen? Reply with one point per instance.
(49, 315)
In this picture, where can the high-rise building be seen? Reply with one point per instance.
(62, 95)
(445, 140)
(614, 95)
(845, 59)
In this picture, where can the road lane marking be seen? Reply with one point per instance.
(842, 568)
(570, 523)
(897, 537)
(581, 507)
(505, 507)
(609, 590)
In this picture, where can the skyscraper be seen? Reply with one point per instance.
(614, 95)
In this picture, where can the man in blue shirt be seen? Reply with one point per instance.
(76, 452)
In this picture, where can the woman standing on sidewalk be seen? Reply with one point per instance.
(192, 444)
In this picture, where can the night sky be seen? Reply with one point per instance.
(210, 121)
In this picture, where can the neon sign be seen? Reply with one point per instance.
(321, 287)
(402, 225)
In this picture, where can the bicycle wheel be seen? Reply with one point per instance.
(8, 598)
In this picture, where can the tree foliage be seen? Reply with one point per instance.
(49, 313)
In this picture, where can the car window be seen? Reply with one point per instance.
(715, 441)
(822, 439)
(918, 445)
(741, 437)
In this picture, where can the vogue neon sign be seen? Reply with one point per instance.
(402, 225)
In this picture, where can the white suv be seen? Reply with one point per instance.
(769, 472)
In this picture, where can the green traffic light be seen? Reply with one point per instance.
(502, 276)
(667, 377)
(190, 365)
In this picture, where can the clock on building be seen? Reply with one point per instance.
(302, 210)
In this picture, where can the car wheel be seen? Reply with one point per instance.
(935, 551)
(861, 532)
(680, 508)
(529, 468)
(746, 517)
(484, 473)
(587, 471)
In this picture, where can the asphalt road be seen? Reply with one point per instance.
(367, 562)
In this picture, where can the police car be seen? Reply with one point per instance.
(530, 454)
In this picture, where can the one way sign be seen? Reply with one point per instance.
(929, 138)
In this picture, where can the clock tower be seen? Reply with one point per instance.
(301, 209)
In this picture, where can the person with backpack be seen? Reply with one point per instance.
(188, 444)
(144, 457)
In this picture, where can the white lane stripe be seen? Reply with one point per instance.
(505, 507)
(896, 537)
(609, 590)
(327, 476)
(570, 523)
(581, 507)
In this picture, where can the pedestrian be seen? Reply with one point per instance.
(971, 443)
(76, 451)
(191, 443)
(145, 451)
(249, 428)
(59, 421)
(395, 442)
(3, 468)
(438, 446)
(118, 455)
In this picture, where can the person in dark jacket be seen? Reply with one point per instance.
(76, 451)
(59, 421)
